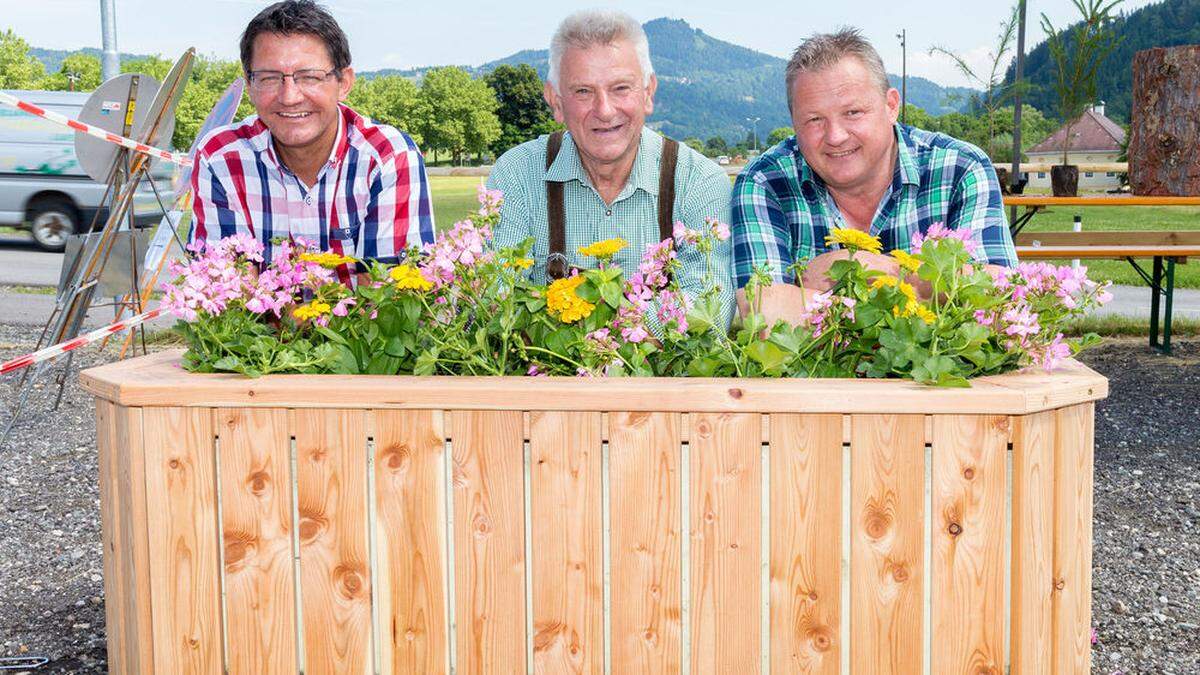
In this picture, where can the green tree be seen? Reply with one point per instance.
(210, 78)
(389, 99)
(79, 72)
(154, 66)
(522, 110)
(695, 144)
(459, 113)
(779, 135)
(18, 69)
(716, 146)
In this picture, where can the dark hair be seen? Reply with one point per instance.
(298, 17)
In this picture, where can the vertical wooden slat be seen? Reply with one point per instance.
(489, 541)
(1072, 599)
(886, 559)
(256, 514)
(181, 507)
(138, 631)
(410, 507)
(112, 535)
(967, 575)
(331, 491)
(1034, 440)
(806, 543)
(644, 456)
(725, 453)
(568, 583)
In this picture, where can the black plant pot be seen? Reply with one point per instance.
(1064, 180)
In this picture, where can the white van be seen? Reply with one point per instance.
(42, 187)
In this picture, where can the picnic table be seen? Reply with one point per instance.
(1164, 248)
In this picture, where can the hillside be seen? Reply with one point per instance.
(1166, 24)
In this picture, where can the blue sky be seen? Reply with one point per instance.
(469, 32)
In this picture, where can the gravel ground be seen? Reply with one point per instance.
(1146, 579)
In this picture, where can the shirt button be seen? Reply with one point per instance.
(608, 212)
(308, 200)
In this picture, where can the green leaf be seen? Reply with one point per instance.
(426, 363)
(389, 321)
(769, 356)
(611, 292)
(395, 347)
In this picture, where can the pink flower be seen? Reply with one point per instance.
(534, 372)
(342, 308)
(940, 231)
(719, 230)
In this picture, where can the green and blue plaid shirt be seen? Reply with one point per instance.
(782, 210)
(701, 190)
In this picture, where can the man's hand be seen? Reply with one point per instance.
(816, 276)
(778, 301)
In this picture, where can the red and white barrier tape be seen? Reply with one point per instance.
(174, 157)
(86, 339)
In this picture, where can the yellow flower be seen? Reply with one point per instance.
(915, 308)
(312, 310)
(562, 301)
(604, 249)
(855, 240)
(519, 263)
(327, 259)
(892, 282)
(408, 277)
(907, 260)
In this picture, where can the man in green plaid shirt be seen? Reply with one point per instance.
(850, 165)
(601, 87)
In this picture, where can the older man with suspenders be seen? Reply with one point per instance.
(607, 175)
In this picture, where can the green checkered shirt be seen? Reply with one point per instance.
(701, 190)
(782, 210)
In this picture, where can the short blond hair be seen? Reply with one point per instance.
(824, 50)
(590, 27)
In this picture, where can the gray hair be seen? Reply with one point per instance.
(598, 27)
(824, 50)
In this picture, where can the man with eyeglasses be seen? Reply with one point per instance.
(608, 176)
(307, 165)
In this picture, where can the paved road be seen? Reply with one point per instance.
(24, 264)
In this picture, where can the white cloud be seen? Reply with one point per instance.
(943, 70)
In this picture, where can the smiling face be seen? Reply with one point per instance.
(301, 120)
(603, 99)
(844, 125)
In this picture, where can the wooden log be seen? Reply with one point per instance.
(806, 543)
(181, 507)
(489, 541)
(335, 575)
(887, 549)
(410, 534)
(256, 521)
(725, 454)
(645, 523)
(1164, 134)
(568, 567)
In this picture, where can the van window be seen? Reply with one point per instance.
(18, 126)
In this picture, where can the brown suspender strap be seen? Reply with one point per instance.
(556, 261)
(666, 188)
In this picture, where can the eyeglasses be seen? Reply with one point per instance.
(270, 81)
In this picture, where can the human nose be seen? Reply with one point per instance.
(835, 133)
(603, 107)
(289, 91)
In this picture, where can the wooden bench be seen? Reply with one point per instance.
(1161, 246)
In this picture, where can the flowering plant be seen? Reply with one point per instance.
(460, 306)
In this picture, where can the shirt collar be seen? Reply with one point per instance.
(262, 143)
(906, 165)
(644, 175)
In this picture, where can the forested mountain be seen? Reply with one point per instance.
(1165, 24)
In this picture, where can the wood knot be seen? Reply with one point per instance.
(955, 529)
(349, 580)
(396, 457)
(877, 523)
(1059, 584)
(239, 547)
(258, 482)
(310, 527)
(735, 394)
(733, 545)
(173, 464)
(481, 526)
(820, 638)
(649, 637)
(704, 429)
(812, 596)
(900, 573)
(969, 473)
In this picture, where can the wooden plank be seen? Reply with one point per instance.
(335, 575)
(1110, 238)
(138, 631)
(410, 508)
(887, 511)
(1104, 251)
(568, 590)
(489, 541)
(1107, 200)
(967, 574)
(256, 520)
(806, 543)
(153, 379)
(185, 570)
(643, 460)
(1072, 599)
(112, 536)
(725, 456)
(1033, 542)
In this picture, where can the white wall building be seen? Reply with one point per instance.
(1094, 139)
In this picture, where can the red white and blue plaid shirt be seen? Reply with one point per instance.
(370, 201)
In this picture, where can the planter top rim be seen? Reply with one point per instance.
(158, 380)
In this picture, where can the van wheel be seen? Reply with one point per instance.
(51, 221)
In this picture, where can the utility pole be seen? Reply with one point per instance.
(110, 62)
(1014, 175)
(754, 131)
(903, 76)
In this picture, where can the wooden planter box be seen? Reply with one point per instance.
(503, 525)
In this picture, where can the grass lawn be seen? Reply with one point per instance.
(1058, 219)
(453, 198)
